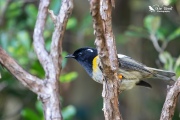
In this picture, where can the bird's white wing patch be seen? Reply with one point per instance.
(121, 56)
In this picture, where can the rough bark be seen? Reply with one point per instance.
(105, 43)
(47, 89)
(170, 102)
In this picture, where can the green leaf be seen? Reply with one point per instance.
(2, 5)
(68, 112)
(177, 66)
(39, 107)
(167, 60)
(164, 57)
(152, 23)
(31, 11)
(174, 34)
(178, 61)
(37, 69)
(160, 35)
(29, 114)
(170, 2)
(24, 39)
(72, 22)
(14, 9)
(68, 77)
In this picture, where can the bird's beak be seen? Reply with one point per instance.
(70, 56)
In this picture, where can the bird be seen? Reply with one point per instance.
(130, 72)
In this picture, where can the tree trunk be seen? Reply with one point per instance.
(105, 42)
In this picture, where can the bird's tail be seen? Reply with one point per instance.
(162, 74)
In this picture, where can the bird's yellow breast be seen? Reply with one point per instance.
(96, 72)
(95, 64)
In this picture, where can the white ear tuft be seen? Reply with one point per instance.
(90, 50)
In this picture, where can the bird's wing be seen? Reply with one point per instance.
(128, 64)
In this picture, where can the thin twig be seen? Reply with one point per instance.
(53, 16)
(58, 34)
(155, 43)
(164, 44)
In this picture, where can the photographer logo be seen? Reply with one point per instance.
(157, 8)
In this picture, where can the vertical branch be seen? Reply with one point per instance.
(38, 39)
(50, 92)
(105, 42)
(51, 62)
(170, 102)
(60, 22)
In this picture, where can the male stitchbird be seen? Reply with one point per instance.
(130, 71)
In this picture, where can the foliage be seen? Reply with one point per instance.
(156, 32)
(68, 77)
(29, 114)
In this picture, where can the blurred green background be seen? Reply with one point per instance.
(152, 38)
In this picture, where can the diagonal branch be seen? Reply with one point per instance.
(38, 42)
(170, 102)
(105, 42)
(28, 80)
(60, 22)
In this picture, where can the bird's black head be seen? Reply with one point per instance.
(85, 57)
(83, 54)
